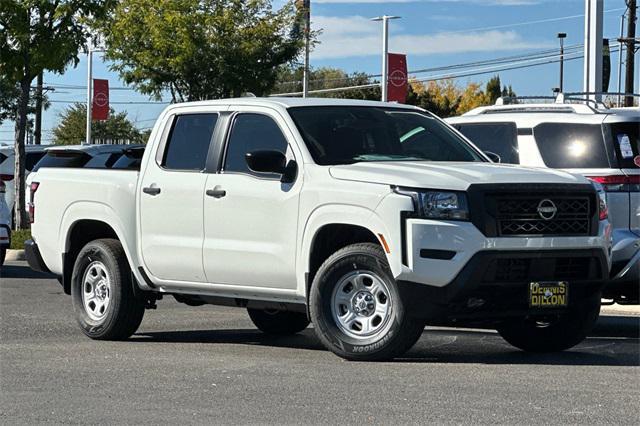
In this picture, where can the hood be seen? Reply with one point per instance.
(444, 175)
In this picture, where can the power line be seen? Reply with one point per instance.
(481, 71)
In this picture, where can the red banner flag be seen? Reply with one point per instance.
(397, 83)
(100, 104)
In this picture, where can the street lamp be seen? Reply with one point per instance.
(561, 37)
(385, 52)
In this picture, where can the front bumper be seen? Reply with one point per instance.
(5, 236)
(34, 258)
(437, 251)
(494, 285)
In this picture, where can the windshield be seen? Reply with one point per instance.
(349, 134)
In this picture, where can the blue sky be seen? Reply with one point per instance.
(432, 33)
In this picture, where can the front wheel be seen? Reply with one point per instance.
(271, 321)
(356, 307)
(553, 334)
(103, 299)
(3, 255)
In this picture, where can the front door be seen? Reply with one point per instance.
(251, 219)
(171, 202)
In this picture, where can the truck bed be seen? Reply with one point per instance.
(65, 196)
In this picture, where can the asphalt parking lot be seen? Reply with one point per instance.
(210, 365)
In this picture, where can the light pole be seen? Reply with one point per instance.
(385, 52)
(89, 84)
(561, 37)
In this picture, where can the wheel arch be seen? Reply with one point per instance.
(84, 222)
(333, 227)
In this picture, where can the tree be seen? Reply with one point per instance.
(72, 128)
(290, 80)
(493, 89)
(200, 49)
(39, 35)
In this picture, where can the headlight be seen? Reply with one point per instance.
(446, 205)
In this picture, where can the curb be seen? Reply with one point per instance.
(13, 255)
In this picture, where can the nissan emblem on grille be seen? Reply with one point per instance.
(547, 209)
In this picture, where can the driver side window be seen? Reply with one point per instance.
(252, 132)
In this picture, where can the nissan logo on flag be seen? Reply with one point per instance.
(397, 82)
(100, 103)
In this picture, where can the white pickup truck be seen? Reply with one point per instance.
(368, 219)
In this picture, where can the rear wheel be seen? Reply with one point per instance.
(3, 255)
(553, 334)
(356, 307)
(272, 321)
(102, 292)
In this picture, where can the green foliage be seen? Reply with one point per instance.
(201, 49)
(72, 128)
(37, 36)
(493, 89)
(290, 80)
(18, 237)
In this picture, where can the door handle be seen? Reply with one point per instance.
(216, 192)
(151, 190)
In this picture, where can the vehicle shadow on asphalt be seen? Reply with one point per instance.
(614, 342)
(9, 270)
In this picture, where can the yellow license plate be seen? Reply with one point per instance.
(548, 294)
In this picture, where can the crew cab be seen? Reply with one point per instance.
(368, 219)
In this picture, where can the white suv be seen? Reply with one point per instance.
(598, 143)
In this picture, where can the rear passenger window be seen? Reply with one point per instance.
(189, 141)
(252, 132)
(571, 146)
(102, 161)
(32, 159)
(500, 138)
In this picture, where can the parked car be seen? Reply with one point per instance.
(5, 224)
(600, 144)
(369, 219)
(33, 153)
(87, 156)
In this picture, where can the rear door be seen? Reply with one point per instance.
(171, 219)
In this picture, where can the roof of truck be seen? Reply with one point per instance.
(293, 102)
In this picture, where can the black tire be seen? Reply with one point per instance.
(3, 256)
(400, 331)
(123, 314)
(556, 334)
(280, 323)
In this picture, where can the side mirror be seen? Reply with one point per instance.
(266, 161)
(493, 156)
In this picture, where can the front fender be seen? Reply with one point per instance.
(342, 214)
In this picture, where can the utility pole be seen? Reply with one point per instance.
(306, 5)
(89, 84)
(37, 133)
(385, 53)
(631, 50)
(561, 37)
(620, 52)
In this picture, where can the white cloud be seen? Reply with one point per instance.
(354, 36)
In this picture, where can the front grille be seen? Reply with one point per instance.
(543, 215)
